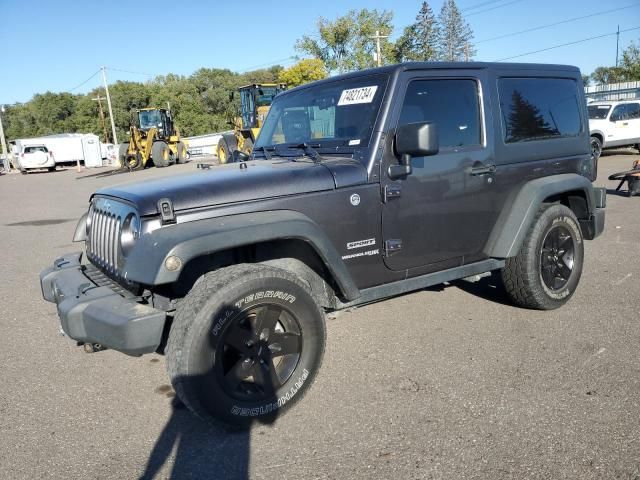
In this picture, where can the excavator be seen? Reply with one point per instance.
(152, 138)
(255, 100)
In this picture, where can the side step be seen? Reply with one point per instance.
(373, 294)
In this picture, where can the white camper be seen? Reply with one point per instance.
(67, 148)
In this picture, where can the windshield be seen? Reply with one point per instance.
(149, 119)
(264, 95)
(330, 114)
(598, 112)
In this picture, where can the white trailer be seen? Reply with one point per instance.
(67, 148)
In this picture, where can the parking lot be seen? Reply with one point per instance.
(449, 382)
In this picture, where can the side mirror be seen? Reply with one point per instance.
(413, 140)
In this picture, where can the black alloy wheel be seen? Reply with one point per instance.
(261, 350)
(557, 258)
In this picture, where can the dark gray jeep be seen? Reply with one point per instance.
(360, 187)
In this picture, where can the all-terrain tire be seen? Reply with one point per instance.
(160, 154)
(535, 278)
(181, 152)
(123, 149)
(226, 352)
(223, 152)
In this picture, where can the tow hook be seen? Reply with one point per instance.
(93, 347)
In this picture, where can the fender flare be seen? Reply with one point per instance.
(512, 225)
(146, 262)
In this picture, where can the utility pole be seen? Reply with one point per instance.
(3, 140)
(617, 44)
(466, 51)
(106, 89)
(377, 38)
(104, 124)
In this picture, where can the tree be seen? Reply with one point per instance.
(525, 120)
(631, 63)
(345, 43)
(627, 71)
(455, 34)
(305, 71)
(604, 75)
(586, 80)
(419, 41)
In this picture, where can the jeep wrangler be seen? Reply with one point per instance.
(360, 187)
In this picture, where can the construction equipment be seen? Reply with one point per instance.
(255, 100)
(152, 136)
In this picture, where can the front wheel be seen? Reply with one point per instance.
(245, 344)
(545, 273)
(160, 154)
(181, 152)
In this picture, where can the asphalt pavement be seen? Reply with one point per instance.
(445, 383)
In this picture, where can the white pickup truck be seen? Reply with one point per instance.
(614, 124)
(36, 156)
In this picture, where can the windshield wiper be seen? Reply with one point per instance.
(309, 150)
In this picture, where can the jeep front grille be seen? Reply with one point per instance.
(105, 220)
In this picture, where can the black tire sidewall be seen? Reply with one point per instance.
(205, 337)
(554, 216)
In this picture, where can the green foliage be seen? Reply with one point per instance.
(419, 41)
(627, 71)
(345, 43)
(455, 38)
(200, 104)
(586, 80)
(305, 71)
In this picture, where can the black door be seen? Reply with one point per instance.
(443, 211)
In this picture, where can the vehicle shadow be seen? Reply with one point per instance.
(201, 449)
(488, 288)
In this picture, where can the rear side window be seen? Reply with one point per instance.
(538, 108)
(626, 111)
(452, 105)
(35, 149)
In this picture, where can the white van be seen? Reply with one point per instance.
(614, 124)
(36, 156)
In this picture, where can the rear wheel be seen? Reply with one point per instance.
(181, 152)
(160, 154)
(547, 270)
(223, 151)
(52, 169)
(245, 344)
(596, 148)
(134, 162)
(122, 154)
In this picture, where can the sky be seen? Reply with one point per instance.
(57, 45)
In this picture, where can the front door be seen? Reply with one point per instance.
(442, 213)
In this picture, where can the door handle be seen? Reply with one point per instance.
(483, 170)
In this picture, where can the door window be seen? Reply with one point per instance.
(453, 105)
(620, 113)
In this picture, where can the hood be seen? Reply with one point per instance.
(226, 184)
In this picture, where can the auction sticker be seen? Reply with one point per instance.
(354, 96)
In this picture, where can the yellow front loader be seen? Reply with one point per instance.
(153, 137)
(255, 101)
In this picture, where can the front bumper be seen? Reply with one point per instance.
(91, 313)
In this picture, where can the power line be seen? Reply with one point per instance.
(275, 62)
(566, 44)
(493, 8)
(83, 83)
(131, 72)
(478, 5)
(569, 20)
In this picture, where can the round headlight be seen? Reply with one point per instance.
(130, 233)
